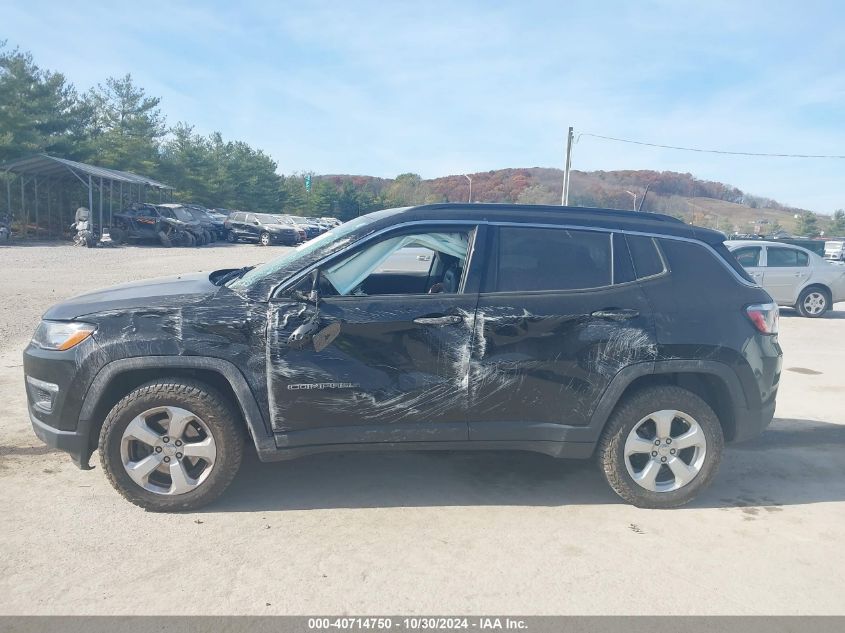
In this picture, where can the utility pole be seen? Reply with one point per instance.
(470, 187)
(631, 193)
(564, 200)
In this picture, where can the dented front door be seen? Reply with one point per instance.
(370, 369)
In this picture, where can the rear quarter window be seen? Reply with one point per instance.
(646, 256)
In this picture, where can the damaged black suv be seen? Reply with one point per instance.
(573, 332)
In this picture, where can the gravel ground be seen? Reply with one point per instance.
(451, 533)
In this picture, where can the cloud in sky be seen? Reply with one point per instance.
(445, 87)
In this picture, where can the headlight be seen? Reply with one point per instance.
(61, 335)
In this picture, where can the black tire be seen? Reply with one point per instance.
(190, 240)
(640, 404)
(118, 236)
(812, 295)
(164, 238)
(231, 237)
(216, 412)
(264, 239)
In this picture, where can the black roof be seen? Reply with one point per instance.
(580, 216)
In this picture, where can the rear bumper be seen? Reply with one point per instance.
(752, 422)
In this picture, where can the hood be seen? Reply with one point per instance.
(150, 293)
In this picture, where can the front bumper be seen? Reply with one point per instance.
(74, 443)
(59, 425)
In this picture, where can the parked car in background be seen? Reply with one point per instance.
(332, 222)
(311, 229)
(834, 250)
(629, 337)
(149, 222)
(792, 275)
(261, 228)
(213, 226)
(178, 211)
(286, 219)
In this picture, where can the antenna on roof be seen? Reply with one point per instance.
(640, 208)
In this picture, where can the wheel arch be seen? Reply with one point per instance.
(119, 377)
(714, 382)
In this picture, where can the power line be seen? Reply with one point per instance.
(709, 151)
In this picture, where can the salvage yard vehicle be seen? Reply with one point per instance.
(213, 227)
(629, 337)
(147, 222)
(197, 234)
(793, 276)
(263, 228)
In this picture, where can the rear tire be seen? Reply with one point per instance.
(671, 473)
(118, 236)
(211, 415)
(813, 302)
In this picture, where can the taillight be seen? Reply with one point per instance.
(764, 316)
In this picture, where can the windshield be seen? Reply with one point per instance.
(182, 214)
(303, 254)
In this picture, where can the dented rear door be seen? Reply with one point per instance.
(542, 357)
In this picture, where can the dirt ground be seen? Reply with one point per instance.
(448, 533)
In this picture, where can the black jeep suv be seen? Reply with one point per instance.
(573, 332)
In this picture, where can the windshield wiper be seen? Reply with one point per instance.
(232, 275)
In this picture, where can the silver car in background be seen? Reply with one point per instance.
(793, 276)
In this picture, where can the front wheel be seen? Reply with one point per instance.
(231, 237)
(264, 238)
(813, 302)
(171, 445)
(661, 447)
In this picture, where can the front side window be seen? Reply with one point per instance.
(786, 258)
(363, 273)
(748, 257)
(552, 259)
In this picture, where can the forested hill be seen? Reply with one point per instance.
(117, 124)
(682, 195)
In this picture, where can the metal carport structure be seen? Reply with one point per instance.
(53, 172)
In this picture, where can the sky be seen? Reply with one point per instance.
(439, 88)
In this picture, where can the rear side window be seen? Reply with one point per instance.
(646, 256)
(748, 257)
(786, 258)
(730, 260)
(552, 259)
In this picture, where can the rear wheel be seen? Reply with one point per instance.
(813, 302)
(662, 446)
(118, 235)
(171, 445)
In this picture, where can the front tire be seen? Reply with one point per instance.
(171, 445)
(231, 237)
(264, 238)
(813, 302)
(661, 447)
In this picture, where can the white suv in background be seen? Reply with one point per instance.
(793, 276)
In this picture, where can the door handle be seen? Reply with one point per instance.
(449, 319)
(616, 314)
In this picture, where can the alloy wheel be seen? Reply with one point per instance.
(665, 451)
(168, 450)
(815, 303)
